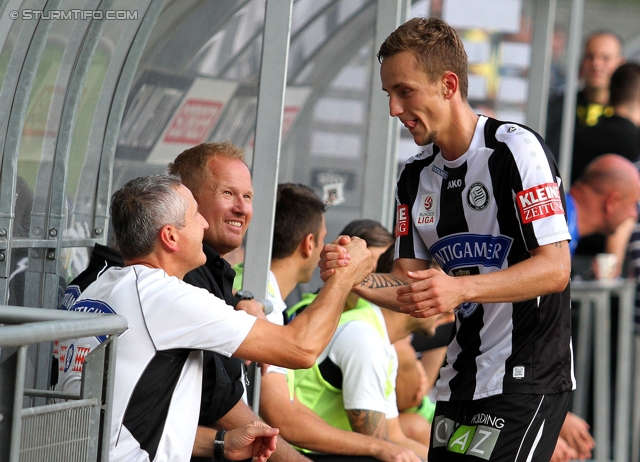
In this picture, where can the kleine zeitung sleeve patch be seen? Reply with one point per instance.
(402, 225)
(539, 202)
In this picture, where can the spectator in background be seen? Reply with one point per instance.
(619, 134)
(603, 197)
(602, 56)
(616, 133)
(352, 386)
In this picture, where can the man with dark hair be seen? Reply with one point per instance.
(220, 181)
(484, 200)
(159, 360)
(352, 386)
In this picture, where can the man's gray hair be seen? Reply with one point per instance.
(141, 208)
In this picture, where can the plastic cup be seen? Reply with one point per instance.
(606, 266)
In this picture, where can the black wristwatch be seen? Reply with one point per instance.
(218, 447)
(242, 295)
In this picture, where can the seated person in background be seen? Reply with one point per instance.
(575, 441)
(298, 236)
(412, 383)
(352, 384)
(414, 406)
(158, 370)
(603, 199)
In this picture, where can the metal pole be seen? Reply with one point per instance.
(571, 89)
(266, 158)
(383, 131)
(538, 98)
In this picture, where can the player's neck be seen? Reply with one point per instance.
(456, 141)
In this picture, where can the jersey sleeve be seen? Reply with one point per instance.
(198, 319)
(538, 190)
(409, 244)
(361, 356)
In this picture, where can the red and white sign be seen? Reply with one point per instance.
(539, 202)
(194, 121)
(402, 224)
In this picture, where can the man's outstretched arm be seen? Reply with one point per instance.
(301, 341)
(430, 291)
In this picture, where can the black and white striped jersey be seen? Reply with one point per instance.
(481, 213)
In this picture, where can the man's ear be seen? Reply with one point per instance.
(450, 83)
(169, 238)
(307, 245)
(612, 202)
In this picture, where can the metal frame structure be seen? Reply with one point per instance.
(32, 432)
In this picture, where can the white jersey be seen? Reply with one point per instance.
(167, 318)
(368, 362)
(276, 316)
(481, 213)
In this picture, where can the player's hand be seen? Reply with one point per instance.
(253, 307)
(360, 263)
(333, 256)
(432, 292)
(390, 452)
(575, 432)
(255, 439)
(563, 452)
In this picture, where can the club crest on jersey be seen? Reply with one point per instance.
(427, 210)
(438, 171)
(539, 202)
(478, 196)
(471, 250)
(402, 224)
(466, 309)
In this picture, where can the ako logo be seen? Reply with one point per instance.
(539, 202)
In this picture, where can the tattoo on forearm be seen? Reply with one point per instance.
(368, 422)
(380, 281)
